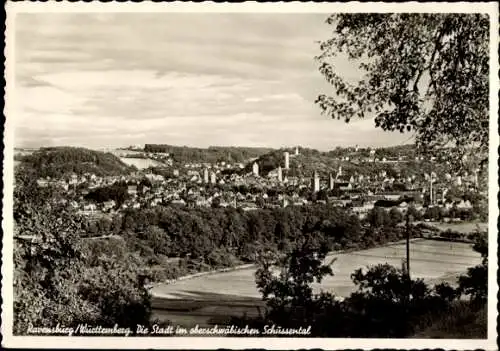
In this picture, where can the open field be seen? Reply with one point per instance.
(140, 163)
(461, 227)
(120, 152)
(205, 299)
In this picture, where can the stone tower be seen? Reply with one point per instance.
(255, 169)
(315, 182)
(287, 160)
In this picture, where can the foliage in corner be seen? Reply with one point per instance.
(424, 73)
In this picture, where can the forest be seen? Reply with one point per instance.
(212, 154)
(74, 270)
(60, 162)
(78, 271)
(116, 192)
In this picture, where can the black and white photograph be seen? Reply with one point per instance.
(250, 175)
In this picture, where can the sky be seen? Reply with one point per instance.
(196, 79)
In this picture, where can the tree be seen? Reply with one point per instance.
(289, 294)
(57, 279)
(260, 202)
(412, 211)
(47, 270)
(395, 216)
(57, 162)
(216, 202)
(157, 239)
(377, 217)
(388, 303)
(426, 73)
(432, 213)
(323, 195)
(453, 194)
(475, 282)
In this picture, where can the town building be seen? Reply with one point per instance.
(287, 160)
(205, 175)
(315, 182)
(255, 169)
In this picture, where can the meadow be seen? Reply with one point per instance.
(204, 301)
(140, 163)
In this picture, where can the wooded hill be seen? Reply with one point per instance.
(310, 160)
(56, 162)
(212, 154)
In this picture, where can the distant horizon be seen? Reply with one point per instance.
(409, 141)
(123, 147)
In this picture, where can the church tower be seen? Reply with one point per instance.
(315, 182)
(255, 169)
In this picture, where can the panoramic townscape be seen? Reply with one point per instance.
(218, 198)
(352, 178)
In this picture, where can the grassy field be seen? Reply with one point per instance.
(430, 260)
(140, 163)
(461, 227)
(235, 292)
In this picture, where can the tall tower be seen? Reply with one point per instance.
(296, 151)
(213, 178)
(284, 202)
(205, 175)
(287, 160)
(315, 182)
(332, 182)
(255, 169)
(280, 174)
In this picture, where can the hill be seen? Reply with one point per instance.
(300, 165)
(212, 154)
(56, 162)
(406, 150)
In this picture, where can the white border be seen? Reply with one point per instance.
(230, 342)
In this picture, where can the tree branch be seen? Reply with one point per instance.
(437, 47)
(419, 75)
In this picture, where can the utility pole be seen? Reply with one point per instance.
(408, 229)
(430, 203)
(407, 296)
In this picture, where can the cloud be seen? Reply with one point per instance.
(292, 97)
(189, 79)
(145, 95)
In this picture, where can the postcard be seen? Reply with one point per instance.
(253, 175)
